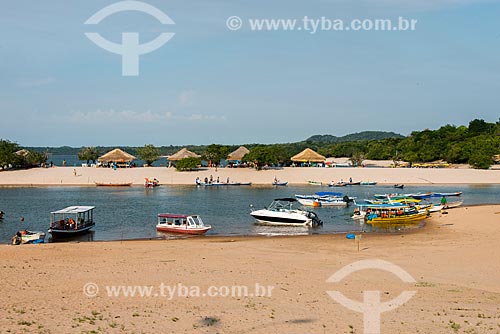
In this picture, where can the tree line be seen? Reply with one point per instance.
(475, 144)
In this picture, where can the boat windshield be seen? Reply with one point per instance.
(196, 221)
(278, 205)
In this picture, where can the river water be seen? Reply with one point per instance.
(130, 212)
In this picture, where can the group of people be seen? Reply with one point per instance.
(210, 180)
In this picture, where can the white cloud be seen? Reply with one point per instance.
(201, 117)
(127, 116)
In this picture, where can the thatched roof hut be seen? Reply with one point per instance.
(308, 155)
(182, 154)
(116, 155)
(22, 153)
(238, 154)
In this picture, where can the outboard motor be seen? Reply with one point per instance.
(346, 199)
(314, 217)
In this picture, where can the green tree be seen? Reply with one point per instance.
(216, 153)
(7, 154)
(261, 155)
(187, 164)
(88, 153)
(35, 159)
(479, 126)
(357, 159)
(148, 153)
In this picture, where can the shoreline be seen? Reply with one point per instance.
(88, 176)
(452, 260)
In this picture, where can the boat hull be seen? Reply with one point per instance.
(280, 183)
(183, 230)
(60, 233)
(405, 219)
(268, 217)
(321, 203)
(99, 184)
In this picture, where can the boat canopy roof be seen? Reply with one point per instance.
(75, 209)
(383, 206)
(328, 193)
(173, 215)
(286, 199)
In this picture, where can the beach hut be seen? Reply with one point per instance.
(116, 155)
(308, 155)
(22, 153)
(182, 154)
(237, 155)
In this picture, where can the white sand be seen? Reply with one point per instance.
(88, 175)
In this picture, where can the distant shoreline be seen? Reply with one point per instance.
(87, 176)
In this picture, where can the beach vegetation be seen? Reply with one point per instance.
(215, 153)
(188, 164)
(261, 156)
(14, 156)
(148, 153)
(88, 154)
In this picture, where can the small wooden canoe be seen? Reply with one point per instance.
(102, 184)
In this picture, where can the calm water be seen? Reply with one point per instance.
(130, 212)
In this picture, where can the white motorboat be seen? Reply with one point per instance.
(282, 213)
(181, 224)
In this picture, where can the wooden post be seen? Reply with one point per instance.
(358, 239)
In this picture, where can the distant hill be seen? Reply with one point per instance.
(365, 135)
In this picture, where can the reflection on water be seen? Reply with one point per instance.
(268, 230)
(89, 236)
(130, 212)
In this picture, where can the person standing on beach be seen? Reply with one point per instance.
(74, 172)
(444, 201)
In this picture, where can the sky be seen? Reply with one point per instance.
(210, 84)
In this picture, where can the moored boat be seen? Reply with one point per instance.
(457, 193)
(394, 215)
(71, 221)
(181, 224)
(279, 183)
(282, 213)
(324, 199)
(367, 183)
(111, 184)
(451, 205)
(315, 183)
(28, 237)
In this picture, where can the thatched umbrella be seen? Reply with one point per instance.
(116, 155)
(238, 154)
(182, 154)
(308, 155)
(22, 153)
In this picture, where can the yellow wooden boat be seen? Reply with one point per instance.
(395, 215)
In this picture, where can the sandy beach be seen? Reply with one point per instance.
(88, 176)
(454, 261)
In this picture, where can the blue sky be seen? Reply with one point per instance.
(212, 85)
